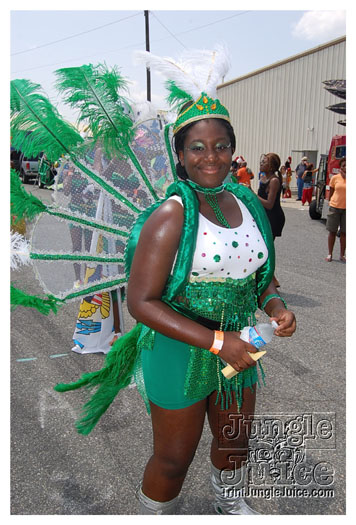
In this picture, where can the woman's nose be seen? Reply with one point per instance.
(211, 153)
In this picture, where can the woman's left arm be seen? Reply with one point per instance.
(277, 311)
(274, 186)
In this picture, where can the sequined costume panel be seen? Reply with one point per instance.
(221, 288)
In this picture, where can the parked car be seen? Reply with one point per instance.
(15, 159)
(28, 168)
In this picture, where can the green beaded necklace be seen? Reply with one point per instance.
(210, 195)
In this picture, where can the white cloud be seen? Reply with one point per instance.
(321, 25)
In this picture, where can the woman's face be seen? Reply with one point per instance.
(269, 163)
(207, 153)
(264, 163)
(343, 168)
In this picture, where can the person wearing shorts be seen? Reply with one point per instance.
(337, 212)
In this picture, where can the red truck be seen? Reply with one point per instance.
(328, 166)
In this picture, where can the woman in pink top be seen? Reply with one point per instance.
(337, 212)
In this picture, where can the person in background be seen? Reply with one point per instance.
(269, 194)
(232, 177)
(288, 163)
(284, 181)
(337, 212)
(308, 184)
(299, 171)
(288, 194)
(245, 175)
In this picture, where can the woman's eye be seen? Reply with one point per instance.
(196, 147)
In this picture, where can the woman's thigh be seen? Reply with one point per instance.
(333, 220)
(232, 427)
(176, 433)
(164, 370)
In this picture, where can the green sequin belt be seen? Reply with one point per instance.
(225, 300)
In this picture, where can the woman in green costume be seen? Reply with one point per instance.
(232, 264)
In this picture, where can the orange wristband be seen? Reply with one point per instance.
(218, 342)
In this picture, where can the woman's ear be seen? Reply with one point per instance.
(181, 157)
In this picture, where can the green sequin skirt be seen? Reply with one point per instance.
(177, 375)
(165, 375)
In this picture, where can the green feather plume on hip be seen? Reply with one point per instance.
(43, 304)
(115, 375)
(23, 204)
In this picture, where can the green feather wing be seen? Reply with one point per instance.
(36, 125)
(95, 92)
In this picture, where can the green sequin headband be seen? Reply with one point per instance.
(203, 107)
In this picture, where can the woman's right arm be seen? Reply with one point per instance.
(151, 267)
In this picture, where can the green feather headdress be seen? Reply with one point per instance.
(194, 77)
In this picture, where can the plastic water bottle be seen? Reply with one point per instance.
(258, 335)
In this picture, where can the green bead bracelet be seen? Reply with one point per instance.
(272, 296)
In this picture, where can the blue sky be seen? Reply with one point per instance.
(45, 40)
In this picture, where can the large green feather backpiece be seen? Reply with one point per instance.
(103, 182)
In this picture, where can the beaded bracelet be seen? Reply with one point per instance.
(272, 296)
(218, 342)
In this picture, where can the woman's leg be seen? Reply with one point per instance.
(176, 434)
(331, 242)
(231, 430)
(342, 245)
(309, 194)
(304, 196)
(275, 280)
(342, 235)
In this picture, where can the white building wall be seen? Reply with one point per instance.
(281, 108)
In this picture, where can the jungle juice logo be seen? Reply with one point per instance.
(280, 449)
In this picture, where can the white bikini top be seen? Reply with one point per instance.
(227, 252)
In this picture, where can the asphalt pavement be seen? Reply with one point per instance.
(298, 448)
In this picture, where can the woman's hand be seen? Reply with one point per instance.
(286, 323)
(235, 351)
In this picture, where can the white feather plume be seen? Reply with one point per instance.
(19, 251)
(143, 110)
(196, 71)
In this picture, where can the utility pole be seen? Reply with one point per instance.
(148, 72)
